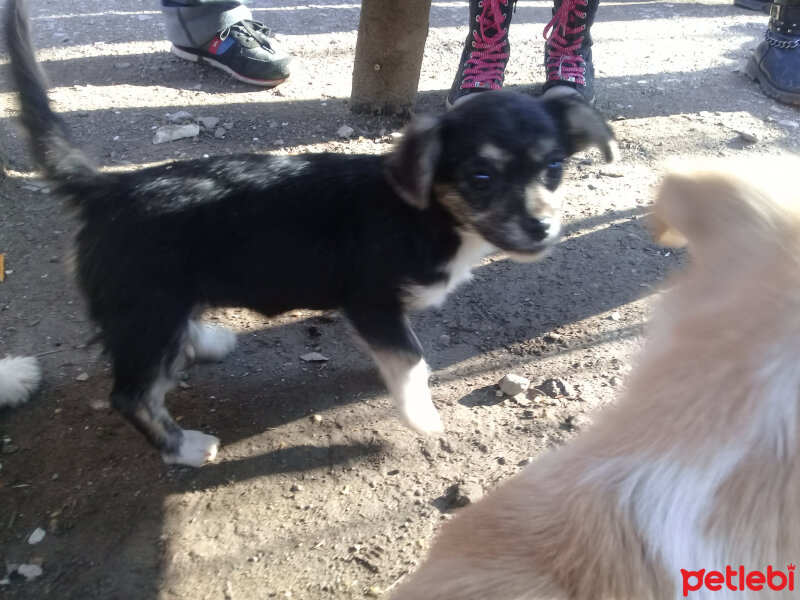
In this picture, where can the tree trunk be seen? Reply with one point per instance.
(391, 41)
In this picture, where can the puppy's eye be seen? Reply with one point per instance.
(480, 180)
(553, 174)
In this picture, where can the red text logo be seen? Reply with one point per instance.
(738, 579)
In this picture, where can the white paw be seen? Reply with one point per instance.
(19, 378)
(196, 449)
(422, 417)
(209, 343)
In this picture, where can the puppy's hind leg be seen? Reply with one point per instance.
(398, 354)
(145, 369)
(207, 343)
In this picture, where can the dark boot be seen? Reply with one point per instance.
(568, 50)
(486, 50)
(775, 64)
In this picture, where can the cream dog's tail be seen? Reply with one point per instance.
(19, 378)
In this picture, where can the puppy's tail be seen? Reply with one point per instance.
(50, 141)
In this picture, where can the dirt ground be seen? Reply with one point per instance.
(318, 491)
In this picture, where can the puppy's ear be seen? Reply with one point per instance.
(581, 126)
(411, 166)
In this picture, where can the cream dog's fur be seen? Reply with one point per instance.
(19, 378)
(698, 466)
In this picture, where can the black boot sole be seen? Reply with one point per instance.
(753, 72)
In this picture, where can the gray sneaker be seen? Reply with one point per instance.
(245, 52)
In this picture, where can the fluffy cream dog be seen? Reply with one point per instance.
(690, 486)
(19, 378)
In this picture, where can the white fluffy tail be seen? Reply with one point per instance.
(19, 378)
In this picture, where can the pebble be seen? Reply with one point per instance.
(37, 536)
(522, 399)
(615, 381)
(314, 357)
(82, 377)
(748, 136)
(170, 133)
(345, 131)
(557, 388)
(220, 132)
(30, 571)
(513, 384)
(100, 404)
(296, 487)
(615, 316)
(462, 494)
(179, 117)
(788, 123)
(208, 122)
(579, 422)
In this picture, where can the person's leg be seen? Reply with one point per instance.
(568, 50)
(224, 35)
(775, 64)
(483, 60)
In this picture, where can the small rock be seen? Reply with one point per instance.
(37, 536)
(615, 316)
(612, 173)
(179, 117)
(512, 384)
(557, 388)
(345, 131)
(615, 381)
(314, 357)
(522, 399)
(122, 65)
(444, 339)
(748, 136)
(170, 133)
(498, 394)
(317, 418)
(184, 385)
(296, 487)
(220, 132)
(10, 448)
(82, 377)
(587, 161)
(208, 122)
(462, 494)
(100, 404)
(579, 422)
(30, 571)
(788, 123)
(374, 592)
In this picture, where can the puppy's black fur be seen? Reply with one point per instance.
(370, 235)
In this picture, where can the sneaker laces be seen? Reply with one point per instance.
(249, 33)
(486, 63)
(563, 61)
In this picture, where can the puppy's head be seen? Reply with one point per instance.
(495, 163)
(730, 212)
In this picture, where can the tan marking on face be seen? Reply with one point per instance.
(454, 202)
(540, 202)
(495, 155)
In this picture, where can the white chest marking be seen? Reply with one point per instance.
(473, 248)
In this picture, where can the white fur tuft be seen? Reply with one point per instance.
(19, 378)
(209, 343)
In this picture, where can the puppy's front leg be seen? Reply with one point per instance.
(398, 353)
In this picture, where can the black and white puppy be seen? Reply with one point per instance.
(372, 236)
